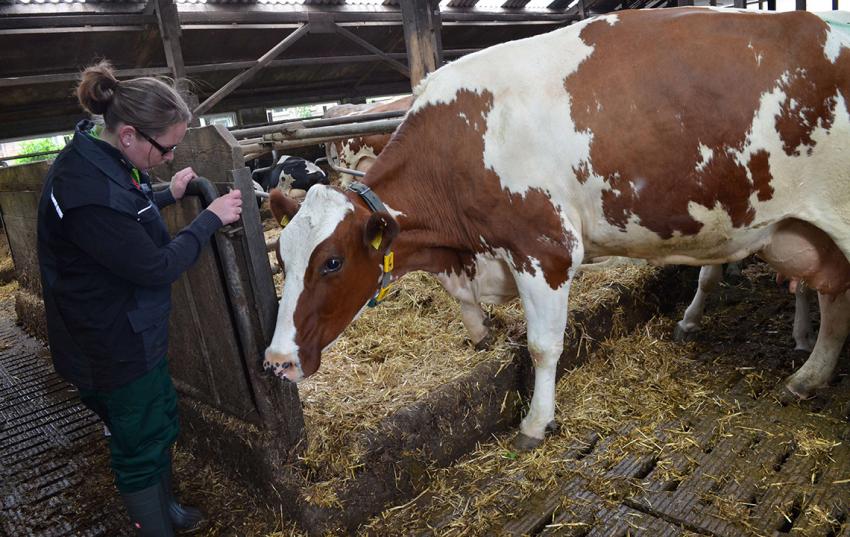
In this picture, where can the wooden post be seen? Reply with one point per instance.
(169, 31)
(800, 5)
(421, 35)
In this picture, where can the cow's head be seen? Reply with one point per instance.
(332, 252)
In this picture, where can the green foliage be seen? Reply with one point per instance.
(38, 145)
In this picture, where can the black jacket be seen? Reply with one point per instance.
(107, 263)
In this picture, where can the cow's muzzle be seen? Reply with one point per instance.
(286, 367)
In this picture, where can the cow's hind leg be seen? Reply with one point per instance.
(709, 277)
(834, 327)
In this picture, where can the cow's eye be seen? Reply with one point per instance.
(332, 265)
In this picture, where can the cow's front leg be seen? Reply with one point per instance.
(546, 316)
(709, 277)
(834, 327)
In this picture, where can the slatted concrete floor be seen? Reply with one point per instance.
(47, 440)
(746, 466)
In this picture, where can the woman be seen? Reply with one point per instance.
(107, 264)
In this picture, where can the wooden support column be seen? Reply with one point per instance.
(422, 37)
(169, 31)
(800, 5)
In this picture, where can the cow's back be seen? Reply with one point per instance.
(674, 128)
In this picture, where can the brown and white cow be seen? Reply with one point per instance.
(691, 135)
(358, 153)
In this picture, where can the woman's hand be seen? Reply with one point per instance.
(227, 208)
(180, 181)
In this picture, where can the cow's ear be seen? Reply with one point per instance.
(283, 208)
(381, 230)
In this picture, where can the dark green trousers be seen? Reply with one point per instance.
(142, 417)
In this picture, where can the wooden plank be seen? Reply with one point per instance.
(248, 74)
(204, 347)
(260, 272)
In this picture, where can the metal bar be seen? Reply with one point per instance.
(335, 132)
(28, 155)
(325, 122)
(237, 81)
(398, 66)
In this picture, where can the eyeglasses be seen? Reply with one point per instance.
(163, 150)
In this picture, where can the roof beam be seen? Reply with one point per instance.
(397, 65)
(239, 79)
(226, 66)
(9, 22)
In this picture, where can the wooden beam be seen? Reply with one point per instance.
(75, 76)
(741, 4)
(398, 66)
(421, 33)
(169, 31)
(371, 69)
(239, 79)
(227, 66)
(71, 30)
(800, 5)
(8, 22)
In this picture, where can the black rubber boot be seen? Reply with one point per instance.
(148, 512)
(185, 518)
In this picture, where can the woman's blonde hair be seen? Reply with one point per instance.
(145, 102)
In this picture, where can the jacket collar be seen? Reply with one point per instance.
(101, 154)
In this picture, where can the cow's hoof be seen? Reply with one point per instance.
(680, 335)
(788, 394)
(485, 343)
(523, 442)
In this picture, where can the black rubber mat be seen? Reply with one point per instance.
(46, 439)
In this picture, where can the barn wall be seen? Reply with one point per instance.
(20, 189)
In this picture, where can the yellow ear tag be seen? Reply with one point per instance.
(284, 220)
(376, 242)
(388, 262)
(383, 292)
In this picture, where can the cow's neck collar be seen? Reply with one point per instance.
(376, 205)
